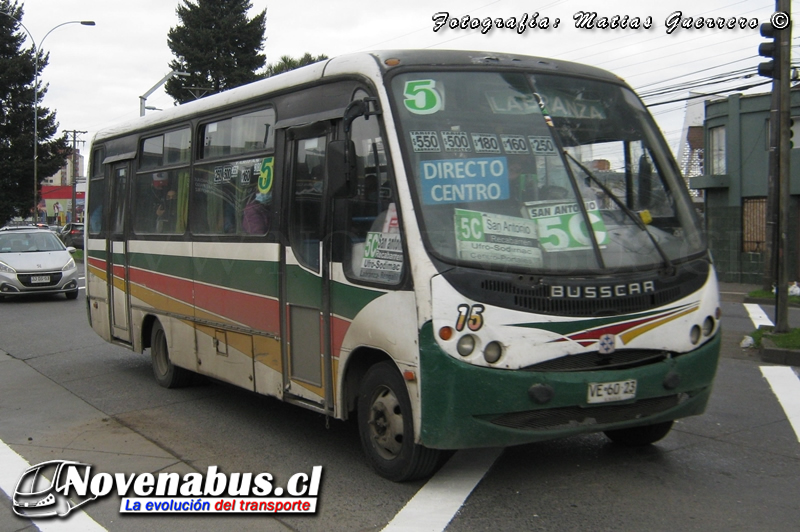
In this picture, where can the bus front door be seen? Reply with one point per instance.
(307, 358)
(118, 292)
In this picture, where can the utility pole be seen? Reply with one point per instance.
(779, 29)
(784, 154)
(75, 163)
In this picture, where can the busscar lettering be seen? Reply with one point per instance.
(601, 291)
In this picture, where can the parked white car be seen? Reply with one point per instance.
(35, 261)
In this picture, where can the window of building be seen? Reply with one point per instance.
(754, 224)
(717, 149)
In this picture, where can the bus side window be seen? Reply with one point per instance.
(97, 195)
(307, 208)
(373, 243)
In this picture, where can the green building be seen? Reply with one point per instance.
(734, 186)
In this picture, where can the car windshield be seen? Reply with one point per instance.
(510, 169)
(19, 242)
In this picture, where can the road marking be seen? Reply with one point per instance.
(435, 504)
(13, 466)
(757, 315)
(786, 387)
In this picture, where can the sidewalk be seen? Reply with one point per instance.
(737, 293)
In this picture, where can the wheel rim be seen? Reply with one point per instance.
(386, 423)
(160, 351)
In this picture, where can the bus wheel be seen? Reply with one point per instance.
(387, 429)
(639, 436)
(167, 374)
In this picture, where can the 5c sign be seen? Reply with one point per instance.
(422, 97)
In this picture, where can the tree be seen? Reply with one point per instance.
(288, 63)
(17, 78)
(217, 45)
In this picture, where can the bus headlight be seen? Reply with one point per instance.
(694, 334)
(708, 326)
(492, 352)
(466, 345)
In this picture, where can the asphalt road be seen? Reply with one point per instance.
(66, 394)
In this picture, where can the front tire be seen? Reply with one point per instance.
(640, 436)
(71, 295)
(166, 373)
(386, 427)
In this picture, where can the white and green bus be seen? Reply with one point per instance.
(459, 249)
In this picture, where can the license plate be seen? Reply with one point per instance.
(40, 278)
(607, 392)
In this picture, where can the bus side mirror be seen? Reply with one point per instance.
(341, 167)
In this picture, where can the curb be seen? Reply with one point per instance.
(778, 355)
(767, 301)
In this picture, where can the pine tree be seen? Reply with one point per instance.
(217, 45)
(17, 76)
(288, 63)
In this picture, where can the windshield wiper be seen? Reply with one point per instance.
(670, 267)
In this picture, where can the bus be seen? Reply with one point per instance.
(456, 249)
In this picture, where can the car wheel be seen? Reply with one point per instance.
(166, 373)
(640, 436)
(72, 295)
(386, 427)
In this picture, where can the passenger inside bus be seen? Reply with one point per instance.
(255, 220)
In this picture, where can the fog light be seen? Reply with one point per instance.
(694, 334)
(445, 333)
(492, 352)
(708, 326)
(466, 345)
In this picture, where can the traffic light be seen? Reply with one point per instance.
(769, 69)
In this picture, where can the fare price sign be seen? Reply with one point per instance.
(487, 237)
(562, 227)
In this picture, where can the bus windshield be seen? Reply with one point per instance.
(510, 169)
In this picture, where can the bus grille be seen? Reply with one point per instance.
(573, 416)
(536, 299)
(594, 361)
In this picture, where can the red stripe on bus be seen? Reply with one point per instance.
(97, 263)
(254, 311)
(174, 287)
(339, 328)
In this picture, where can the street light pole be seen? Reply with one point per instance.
(143, 97)
(36, 51)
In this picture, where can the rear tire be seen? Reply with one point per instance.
(386, 427)
(166, 373)
(640, 436)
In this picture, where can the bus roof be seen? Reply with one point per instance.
(371, 63)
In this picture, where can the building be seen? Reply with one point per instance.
(735, 183)
(64, 176)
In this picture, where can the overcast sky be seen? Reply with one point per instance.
(96, 74)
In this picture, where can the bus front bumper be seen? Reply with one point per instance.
(466, 406)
